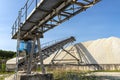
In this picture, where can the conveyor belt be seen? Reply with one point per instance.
(47, 15)
(46, 51)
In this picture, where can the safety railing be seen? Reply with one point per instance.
(52, 42)
(23, 14)
(44, 45)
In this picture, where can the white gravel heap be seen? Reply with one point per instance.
(101, 51)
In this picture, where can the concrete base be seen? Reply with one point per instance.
(36, 76)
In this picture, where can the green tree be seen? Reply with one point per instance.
(6, 54)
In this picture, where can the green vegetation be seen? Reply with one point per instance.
(73, 75)
(4, 56)
(77, 75)
(3, 75)
(3, 67)
(106, 71)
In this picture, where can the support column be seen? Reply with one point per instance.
(41, 57)
(17, 54)
(31, 57)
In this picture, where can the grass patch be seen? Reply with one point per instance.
(106, 71)
(63, 74)
(72, 75)
(3, 75)
(78, 75)
(6, 73)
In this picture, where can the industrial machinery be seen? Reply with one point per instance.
(39, 16)
(46, 50)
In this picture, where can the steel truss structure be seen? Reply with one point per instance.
(62, 61)
(47, 50)
(42, 19)
(32, 23)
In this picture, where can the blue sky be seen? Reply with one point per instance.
(99, 21)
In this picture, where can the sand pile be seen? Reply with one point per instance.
(104, 51)
(101, 51)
